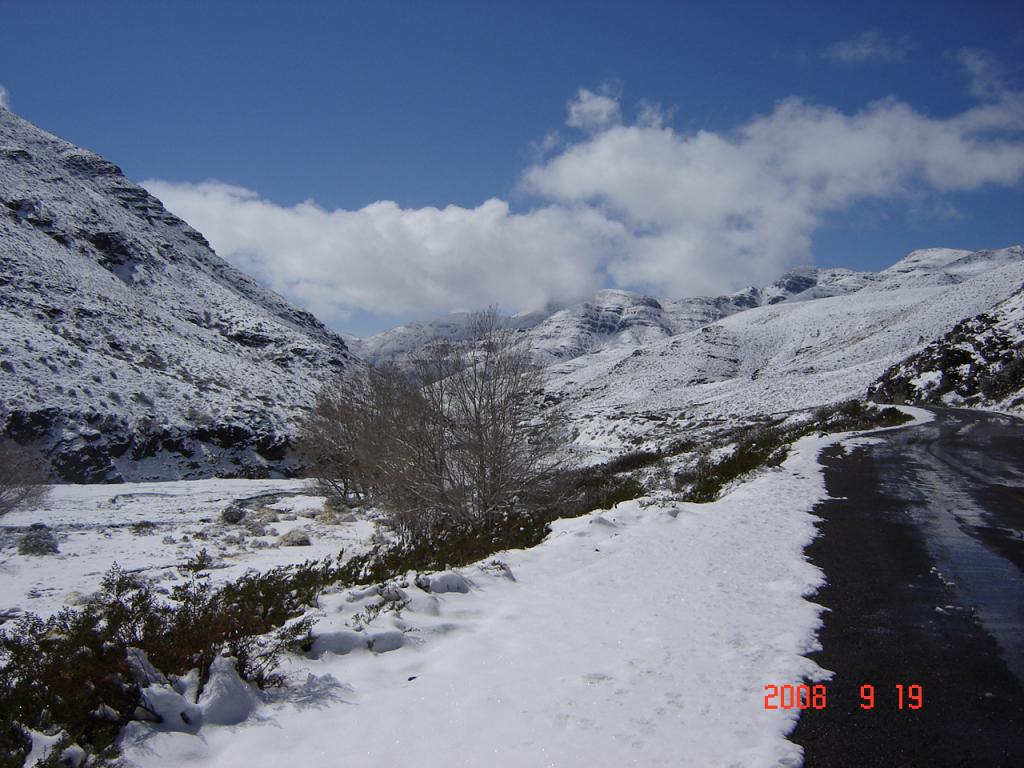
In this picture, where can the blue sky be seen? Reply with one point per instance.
(430, 105)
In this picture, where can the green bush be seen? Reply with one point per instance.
(70, 671)
(462, 542)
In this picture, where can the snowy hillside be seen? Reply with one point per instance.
(615, 318)
(396, 344)
(979, 362)
(782, 356)
(130, 349)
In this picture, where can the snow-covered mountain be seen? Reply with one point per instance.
(797, 353)
(130, 350)
(615, 318)
(395, 345)
(638, 372)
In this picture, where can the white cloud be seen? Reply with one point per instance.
(870, 46)
(386, 259)
(639, 205)
(4, 98)
(653, 115)
(710, 212)
(985, 79)
(538, 150)
(591, 111)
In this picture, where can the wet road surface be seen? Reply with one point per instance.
(922, 544)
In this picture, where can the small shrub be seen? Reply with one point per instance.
(22, 477)
(70, 672)
(295, 538)
(201, 561)
(234, 514)
(39, 540)
(143, 528)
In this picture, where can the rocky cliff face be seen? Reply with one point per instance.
(130, 350)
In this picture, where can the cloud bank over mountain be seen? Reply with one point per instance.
(634, 204)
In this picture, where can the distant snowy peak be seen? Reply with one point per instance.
(396, 344)
(130, 349)
(611, 317)
(617, 318)
(807, 283)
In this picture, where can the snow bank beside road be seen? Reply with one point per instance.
(639, 636)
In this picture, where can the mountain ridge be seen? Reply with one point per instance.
(621, 318)
(778, 358)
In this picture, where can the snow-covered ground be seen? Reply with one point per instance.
(642, 635)
(154, 528)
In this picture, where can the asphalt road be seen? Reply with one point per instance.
(922, 545)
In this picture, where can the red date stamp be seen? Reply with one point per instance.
(816, 696)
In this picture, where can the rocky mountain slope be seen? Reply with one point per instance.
(130, 349)
(979, 362)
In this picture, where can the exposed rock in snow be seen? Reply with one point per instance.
(979, 362)
(386, 640)
(130, 350)
(295, 538)
(72, 757)
(338, 641)
(446, 581)
(172, 711)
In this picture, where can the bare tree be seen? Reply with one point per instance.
(500, 450)
(329, 435)
(453, 437)
(22, 477)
